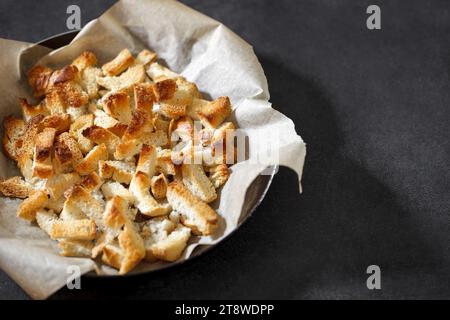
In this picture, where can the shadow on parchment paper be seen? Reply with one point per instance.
(316, 245)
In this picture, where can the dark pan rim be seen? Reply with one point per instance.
(63, 39)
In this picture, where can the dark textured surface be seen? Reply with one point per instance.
(373, 107)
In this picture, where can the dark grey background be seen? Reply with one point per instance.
(373, 107)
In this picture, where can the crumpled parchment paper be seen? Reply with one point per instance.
(190, 43)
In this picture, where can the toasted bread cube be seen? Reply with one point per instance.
(89, 81)
(75, 248)
(128, 149)
(164, 240)
(38, 78)
(12, 142)
(184, 128)
(146, 56)
(67, 153)
(73, 230)
(147, 205)
(65, 95)
(42, 165)
(157, 71)
(195, 214)
(91, 182)
(60, 122)
(92, 159)
(134, 75)
(112, 255)
(112, 189)
(147, 160)
(85, 60)
(115, 215)
(189, 87)
(133, 247)
(219, 175)
(15, 187)
(117, 105)
(195, 179)
(56, 205)
(214, 113)
(28, 208)
(59, 183)
(164, 163)
(173, 109)
(119, 171)
(25, 165)
(144, 97)
(119, 64)
(100, 135)
(45, 220)
(76, 131)
(81, 204)
(164, 89)
(159, 186)
(30, 111)
(141, 125)
(43, 79)
(160, 124)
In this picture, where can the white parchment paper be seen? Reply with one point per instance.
(198, 47)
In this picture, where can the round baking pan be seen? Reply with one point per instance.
(254, 196)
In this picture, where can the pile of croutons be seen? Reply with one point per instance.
(119, 163)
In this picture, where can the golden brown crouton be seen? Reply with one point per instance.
(65, 95)
(119, 171)
(100, 135)
(115, 215)
(219, 175)
(92, 159)
(141, 125)
(42, 165)
(119, 64)
(15, 187)
(195, 179)
(188, 87)
(36, 200)
(195, 214)
(147, 160)
(60, 122)
(164, 240)
(112, 255)
(164, 89)
(73, 230)
(91, 182)
(111, 189)
(139, 187)
(30, 111)
(45, 220)
(157, 72)
(146, 56)
(76, 131)
(159, 186)
(164, 163)
(134, 75)
(12, 142)
(75, 248)
(59, 183)
(81, 204)
(67, 153)
(144, 97)
(215, 112)
(133, 247)
(85, 60)
(38, 78)
(117, 105)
